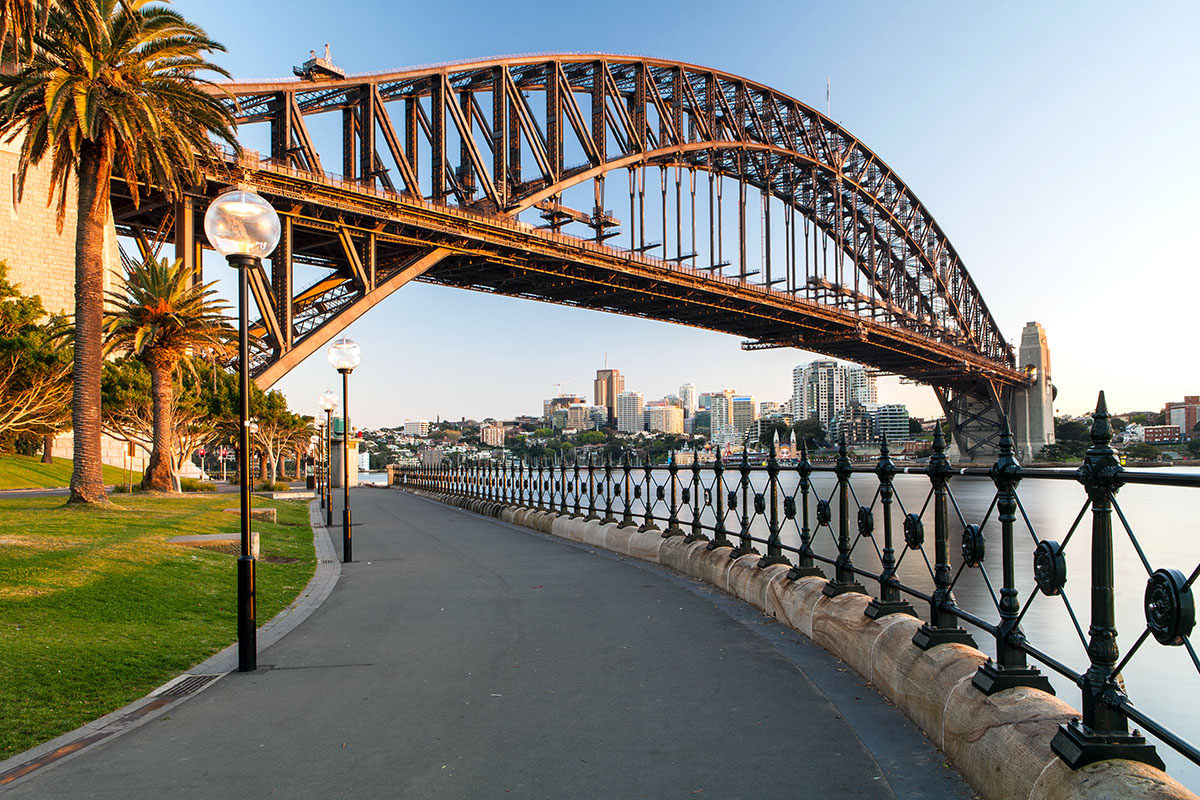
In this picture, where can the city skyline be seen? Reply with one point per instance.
(999, 90)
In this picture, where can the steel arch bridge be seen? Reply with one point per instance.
(806, 237)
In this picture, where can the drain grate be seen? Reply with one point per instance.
(192, 683)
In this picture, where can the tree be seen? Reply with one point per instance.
(18, 21)
(276, 429)
(591, 437)
(914, 428)
(1193, 448)
(1067, 431)
(159, 318)
(35, 372)
(810, 432)
(129, 411)
(1142, 452)
(109, 85)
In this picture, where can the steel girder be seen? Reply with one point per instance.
(616, 113)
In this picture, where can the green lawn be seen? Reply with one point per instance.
(97, 608)
(28, 472)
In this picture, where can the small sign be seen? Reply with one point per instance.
(224, 452)
(132, 449)
(202, 451)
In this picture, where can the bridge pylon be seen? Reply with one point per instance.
(976, 415)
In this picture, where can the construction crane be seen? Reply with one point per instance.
(558, 387)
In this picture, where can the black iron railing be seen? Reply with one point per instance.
(750, 507)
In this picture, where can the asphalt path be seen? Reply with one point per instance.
(459, 657)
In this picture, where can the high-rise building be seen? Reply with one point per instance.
(666, 419)
(720, 407)
(704, 401)
(769, 408)
(744, 409)
(687, 393)
(608, 384)
(630, 407)
(823, 388)
(860, 385)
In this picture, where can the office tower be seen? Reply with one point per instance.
(721, 416)
(608, 384)
(860, 385)
(687, 393)
(630, 407)
(578, 417)
(599, 416)
(744, 410)
(892, 421)
(555, 403)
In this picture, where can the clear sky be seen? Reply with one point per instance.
(1054, 142)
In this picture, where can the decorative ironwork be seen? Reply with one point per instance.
(1049, 567)
(973, 546)
(1170, 607)
(914, 531)
(866, 521)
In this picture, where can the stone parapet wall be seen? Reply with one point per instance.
(999, 743)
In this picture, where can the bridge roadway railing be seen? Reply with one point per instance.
(250, 159)
(776, 510)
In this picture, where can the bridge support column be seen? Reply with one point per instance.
(1031, 407)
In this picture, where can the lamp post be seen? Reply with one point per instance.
(244, 228)
(328, 402)
(319, 442)
(345, 355)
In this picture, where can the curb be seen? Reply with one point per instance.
(183, 687)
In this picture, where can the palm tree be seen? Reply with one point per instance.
(160, 318)
(110, 85)
(18, 19)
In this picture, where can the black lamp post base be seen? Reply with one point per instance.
(991, 678)
(247, 629)
(1078, 745)
(928, 636)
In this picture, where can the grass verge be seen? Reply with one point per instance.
(28, 472)
(97, 608)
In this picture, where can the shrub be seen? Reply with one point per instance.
(195, 485)
(267, 486)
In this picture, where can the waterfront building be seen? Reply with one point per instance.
(665, 419)
(608, 385)
(891, 420)
(860, 385)
(1161, 434)
(687, 393)
(630, 407)
(1183, 415)
(818, 390)
(855, 424)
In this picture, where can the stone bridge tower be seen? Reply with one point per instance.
(1031, 409)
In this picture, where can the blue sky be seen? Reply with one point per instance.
(1055, 143)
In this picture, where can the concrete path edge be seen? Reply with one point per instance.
(183, 687)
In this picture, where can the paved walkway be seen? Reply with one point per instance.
(459, 657)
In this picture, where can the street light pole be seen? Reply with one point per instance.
(244, 228)
(344, 356)
(328, 402)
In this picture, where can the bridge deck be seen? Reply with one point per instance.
(460, 657)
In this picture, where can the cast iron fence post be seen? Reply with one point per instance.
(608, 489)
(844, 579)
(575, 489)
(1104, 731)
(673, 528)
(720, 539)
(550, 485)
(943, 627)
(805, 566)
(627, 520)
(697, 532)
(591, 479)
(774, 545)
(1010, 667)
(889, 600)
(648, 517)
(745, 544)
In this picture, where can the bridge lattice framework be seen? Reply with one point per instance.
(440, 164)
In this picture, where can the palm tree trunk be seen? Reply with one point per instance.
(87, 482)
(48, 448)
(159, 475)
